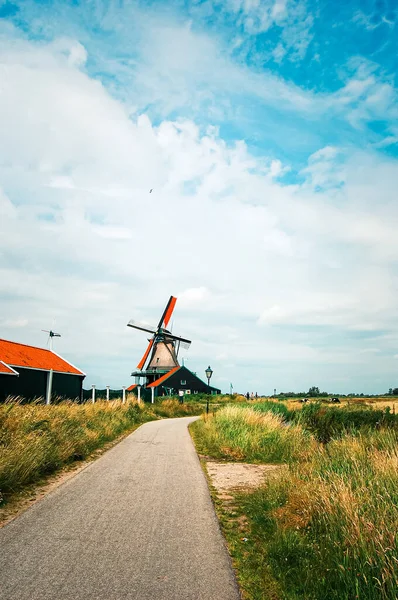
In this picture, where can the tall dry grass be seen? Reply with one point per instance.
(36, 439)
(334, 520)
(327, 528)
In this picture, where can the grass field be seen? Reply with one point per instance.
(326, 528)
(37, 440)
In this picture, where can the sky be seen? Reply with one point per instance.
(268, 131)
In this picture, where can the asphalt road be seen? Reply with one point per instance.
(137, 523)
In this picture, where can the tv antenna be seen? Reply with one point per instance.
(51, 335)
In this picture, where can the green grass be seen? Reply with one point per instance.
(37, 440)
(277, 408)
(326, 528)
(245, 434)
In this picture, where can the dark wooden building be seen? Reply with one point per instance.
(25, 371)
(181, 378)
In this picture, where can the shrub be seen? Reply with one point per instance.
(327, 422)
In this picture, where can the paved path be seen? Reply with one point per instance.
(137, 523)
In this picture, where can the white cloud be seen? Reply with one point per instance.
(14, 323)
(82, 239)
(193, 297)
(367, 94)
(324, 168)
(279, 9)
(7, 209)
(279, 52)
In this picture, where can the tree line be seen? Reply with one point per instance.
(314, 392)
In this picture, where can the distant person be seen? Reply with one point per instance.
(256, 395)
(181, 396)
(247, 396)
(252, 395)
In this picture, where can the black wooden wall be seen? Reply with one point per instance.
(192, 382)
(33, 384)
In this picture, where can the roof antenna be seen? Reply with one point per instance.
(51, 335)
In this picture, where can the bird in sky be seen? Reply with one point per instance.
(150, 191)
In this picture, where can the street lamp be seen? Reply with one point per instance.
(209, 373)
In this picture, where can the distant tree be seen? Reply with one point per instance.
(313, 392)
(390, 392)
(395, 392)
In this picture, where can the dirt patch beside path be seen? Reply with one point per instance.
(227, 477)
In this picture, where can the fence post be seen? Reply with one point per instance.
(93, 394)
(107, 392)
(139, 393)
(124, 394)
(152, 395)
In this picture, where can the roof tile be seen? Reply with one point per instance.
(30, 357)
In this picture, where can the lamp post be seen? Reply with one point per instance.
(209, 373)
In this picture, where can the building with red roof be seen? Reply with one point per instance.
(25, 371)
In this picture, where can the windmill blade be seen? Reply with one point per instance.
(184, 343)
(141, 326)
(143, 359)
(168, 311)
(170, 336)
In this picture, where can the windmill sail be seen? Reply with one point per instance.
(161, 354)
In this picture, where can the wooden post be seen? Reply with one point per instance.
(124, 394)
(139, 393)
(107, 392)
(152, 395)
(93, 394)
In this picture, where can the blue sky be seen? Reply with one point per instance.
(268, 130)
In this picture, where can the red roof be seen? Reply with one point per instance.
(30, 357)
(163, 378)
(6, 370)
(131, 387)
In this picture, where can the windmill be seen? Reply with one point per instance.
(51, 335)
(161, 354)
